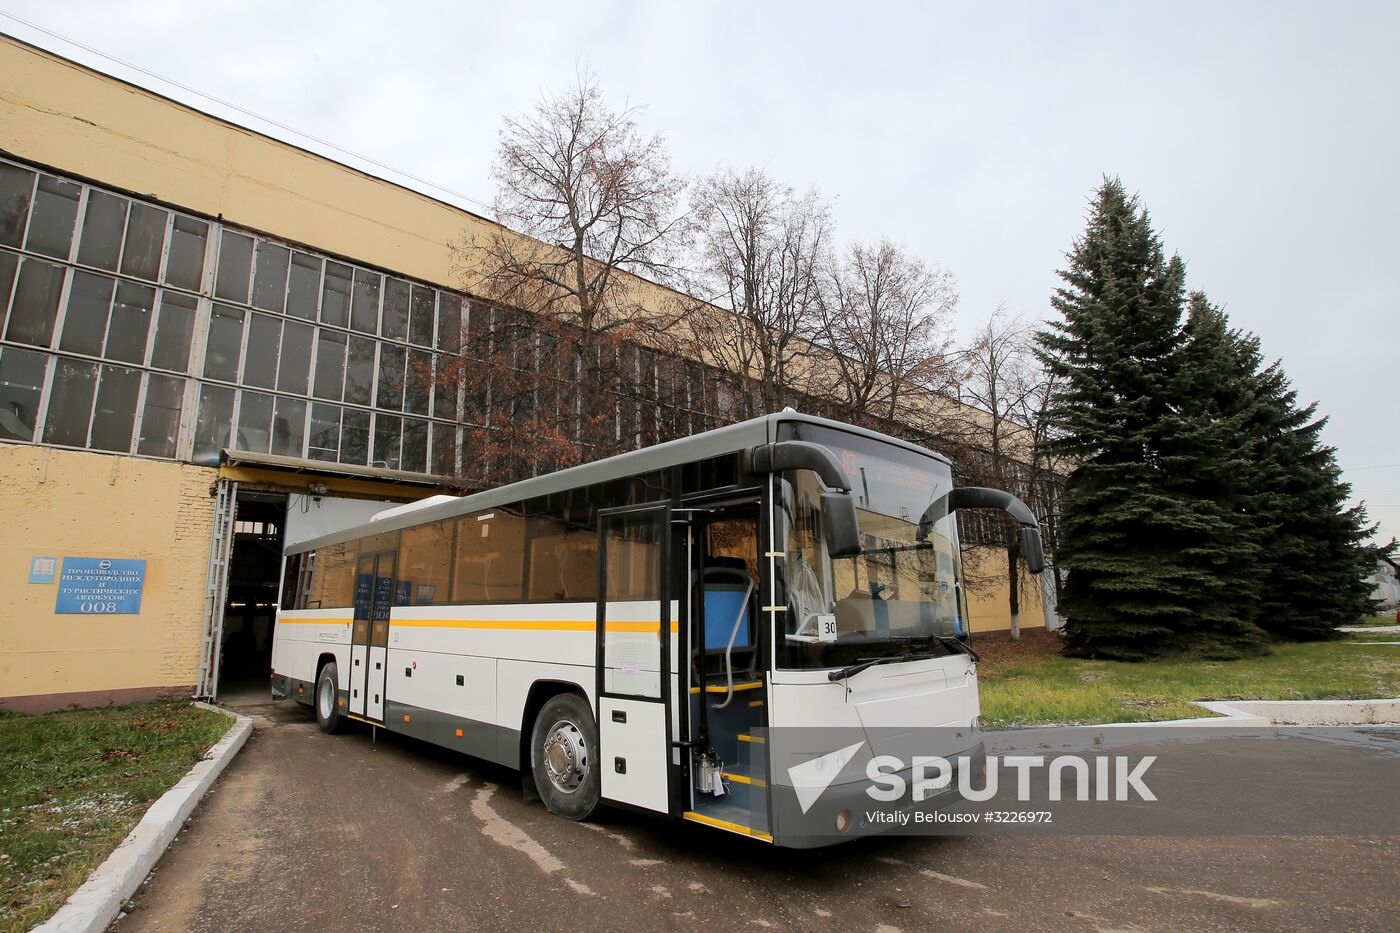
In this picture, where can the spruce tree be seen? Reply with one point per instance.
(1315, 554)
(1143, 550)
(1217, 460)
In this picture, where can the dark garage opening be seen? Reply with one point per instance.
(251, 606)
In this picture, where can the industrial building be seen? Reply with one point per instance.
(207, 345)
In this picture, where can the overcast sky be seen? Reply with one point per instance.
(1263, 137)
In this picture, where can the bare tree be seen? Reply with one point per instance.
(885, 317)
(589, 207)
(761, 253)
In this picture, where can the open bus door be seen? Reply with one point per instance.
(634, 652)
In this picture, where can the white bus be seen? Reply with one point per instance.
(624, 632)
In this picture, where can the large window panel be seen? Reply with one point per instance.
(364, 309)
(449, 332)
(35, 305)
(354, 437)
(131, 322)
(185, 266)
(388, 434)
(288, 426)
(254, 422)
(447, 377)
(212, 426)
(335, 295)
(55, 213)
(21, 383)
(323, 441)
(270, 277)
(16, 191)
(294, 363)
(391, 364)
(145, 241)
(330, 364)
(70, 403)
(395, 323)
(115, 414)
(418, 380)
(444, 461)
(225, 343)
(304, 286)
(85, 321)
(421, 313)
(359, 372)
(9, 264)
(415, 446)
(235, 267)
(174, 328)
(104, 224)
(160, 417)
(260, 359)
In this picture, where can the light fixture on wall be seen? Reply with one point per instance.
(318, 490)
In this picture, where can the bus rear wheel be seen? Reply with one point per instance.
(328, 715)
(564, 757)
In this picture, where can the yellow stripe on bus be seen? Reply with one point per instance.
(725, 824)
(532, 625)
(285, 621)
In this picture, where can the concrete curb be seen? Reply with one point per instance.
(1309, 712)
(96, 904)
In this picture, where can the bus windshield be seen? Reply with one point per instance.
(902, 594)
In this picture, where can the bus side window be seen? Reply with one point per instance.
(563, 561)
(333, 585)
(490, 565)
(425, 563)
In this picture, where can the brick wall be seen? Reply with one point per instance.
(57, 503)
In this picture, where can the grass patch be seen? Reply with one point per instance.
(1385, 618)
(1033, 684)
(74, 783)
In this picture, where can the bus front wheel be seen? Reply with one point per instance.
(328, 715)
(564, 757)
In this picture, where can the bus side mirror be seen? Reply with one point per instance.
(839, 524)
(1032, 551)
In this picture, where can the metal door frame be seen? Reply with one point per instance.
(225, 494)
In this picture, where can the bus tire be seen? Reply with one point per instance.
(327, 700)
(564, 757)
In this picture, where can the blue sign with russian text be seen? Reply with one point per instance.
(100, 586)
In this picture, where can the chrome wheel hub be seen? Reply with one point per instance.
(325, 698)
(565, 756)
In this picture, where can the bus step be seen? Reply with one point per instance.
(731, 825)
(739, 775)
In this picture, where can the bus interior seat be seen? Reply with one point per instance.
(725, 581)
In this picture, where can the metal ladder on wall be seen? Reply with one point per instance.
(216, 587)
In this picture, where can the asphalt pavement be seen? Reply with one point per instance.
(313, 832)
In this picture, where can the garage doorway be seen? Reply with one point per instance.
(250, 606)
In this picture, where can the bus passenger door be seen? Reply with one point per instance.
(359, 634)
(377, 667)
(634, 635)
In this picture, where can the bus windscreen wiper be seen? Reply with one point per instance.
(957, 644)
(852, 670)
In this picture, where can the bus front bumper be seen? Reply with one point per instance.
(851, 806)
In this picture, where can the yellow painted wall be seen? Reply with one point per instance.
(59, 503)
(988, 599)
(59, 113)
